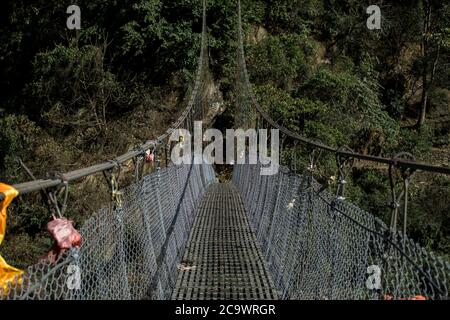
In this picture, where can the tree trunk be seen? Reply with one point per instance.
(425, 51)
(423, 105)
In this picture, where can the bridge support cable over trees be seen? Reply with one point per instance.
(131, 250)
(315, 244)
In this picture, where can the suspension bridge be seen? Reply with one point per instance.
(177, 233)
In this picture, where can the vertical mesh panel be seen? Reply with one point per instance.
(319, 247)
(130, 252)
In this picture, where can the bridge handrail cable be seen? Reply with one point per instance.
(403, 163)
(42, 184)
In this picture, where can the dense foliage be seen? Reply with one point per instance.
(68, 98)
(320, 71)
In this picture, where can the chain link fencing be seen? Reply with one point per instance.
(131, 252)
(320, 247)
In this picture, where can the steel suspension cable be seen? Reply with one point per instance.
(402, 163)
(42, 184)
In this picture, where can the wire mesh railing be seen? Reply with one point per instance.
(321, 247)
(317, 245)
(130, 252)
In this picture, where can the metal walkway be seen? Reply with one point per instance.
(222, 258)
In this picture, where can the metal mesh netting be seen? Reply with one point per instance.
(315, 246)
(222, 258)
(319, 247)
(130, 252)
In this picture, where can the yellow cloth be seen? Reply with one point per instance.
(7, 272)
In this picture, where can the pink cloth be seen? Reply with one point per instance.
(149, 156)
(65, 235)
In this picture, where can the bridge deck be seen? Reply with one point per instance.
(222, 258)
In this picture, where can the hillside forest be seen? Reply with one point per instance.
(72, 98)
